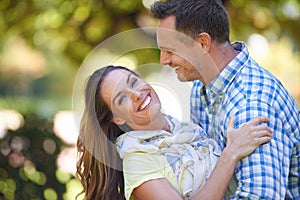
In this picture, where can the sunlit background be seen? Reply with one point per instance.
(42, 46)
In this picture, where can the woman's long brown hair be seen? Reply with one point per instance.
(99, 167)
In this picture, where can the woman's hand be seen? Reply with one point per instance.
(243, 141)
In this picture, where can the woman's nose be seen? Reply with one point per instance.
(136, 95)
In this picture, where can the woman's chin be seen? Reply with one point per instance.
(155, 111)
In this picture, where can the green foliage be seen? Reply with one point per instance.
(273, 19)
(27, 170)
(59, 34)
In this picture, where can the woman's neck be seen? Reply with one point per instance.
(166, 125)
(159, 123)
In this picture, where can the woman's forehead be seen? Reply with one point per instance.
(113, 81)
(115, 76)
(119, 71)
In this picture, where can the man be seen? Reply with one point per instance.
(227, 81)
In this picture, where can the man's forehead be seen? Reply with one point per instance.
(166, 37)
(172, 40)
(168, 22)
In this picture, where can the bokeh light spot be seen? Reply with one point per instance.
(64, 127)
(49, 146)
(50, 194)
(73, 187)
(62, 176)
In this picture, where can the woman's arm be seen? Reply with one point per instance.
(240, 143)
(156, 189)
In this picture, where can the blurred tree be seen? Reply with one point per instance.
(273, 19)
(43, 43)
(27, 164)
(56, 36)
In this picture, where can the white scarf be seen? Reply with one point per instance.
(191, 155)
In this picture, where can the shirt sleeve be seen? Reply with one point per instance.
(264, 174)
(142, 167)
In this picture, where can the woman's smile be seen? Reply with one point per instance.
(145, 103)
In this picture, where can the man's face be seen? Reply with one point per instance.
(179, 51)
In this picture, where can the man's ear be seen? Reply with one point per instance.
(204, 40)
(118, 121)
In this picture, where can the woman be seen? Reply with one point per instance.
(118, 101)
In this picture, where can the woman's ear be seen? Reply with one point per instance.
(204, 40)
(118, 121)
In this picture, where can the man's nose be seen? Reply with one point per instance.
(165, 57)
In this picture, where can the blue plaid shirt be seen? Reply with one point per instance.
(246, 90)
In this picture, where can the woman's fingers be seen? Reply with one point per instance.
(262, 133)
(254, 125)
(260, 137)
(265, 139)
(257, 120)
(262, 140)
(249, 136)
(230, 124)
(262, 127)
(252, 129)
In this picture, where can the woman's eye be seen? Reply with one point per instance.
(121, 100)
(134, 81)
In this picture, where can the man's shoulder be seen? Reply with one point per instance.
(254, 78)
(257, 86)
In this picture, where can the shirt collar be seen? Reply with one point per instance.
(218, 86)
(172, 122)
(180, 127)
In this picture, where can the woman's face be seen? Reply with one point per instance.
(131, 100)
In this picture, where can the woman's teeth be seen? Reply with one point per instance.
(145, 103)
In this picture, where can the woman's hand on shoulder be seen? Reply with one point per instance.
(243, 141)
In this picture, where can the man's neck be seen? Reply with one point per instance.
(222, 54)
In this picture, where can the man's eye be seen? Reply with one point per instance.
(133, 82)
(121, 100)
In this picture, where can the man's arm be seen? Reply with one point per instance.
(264, 173)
